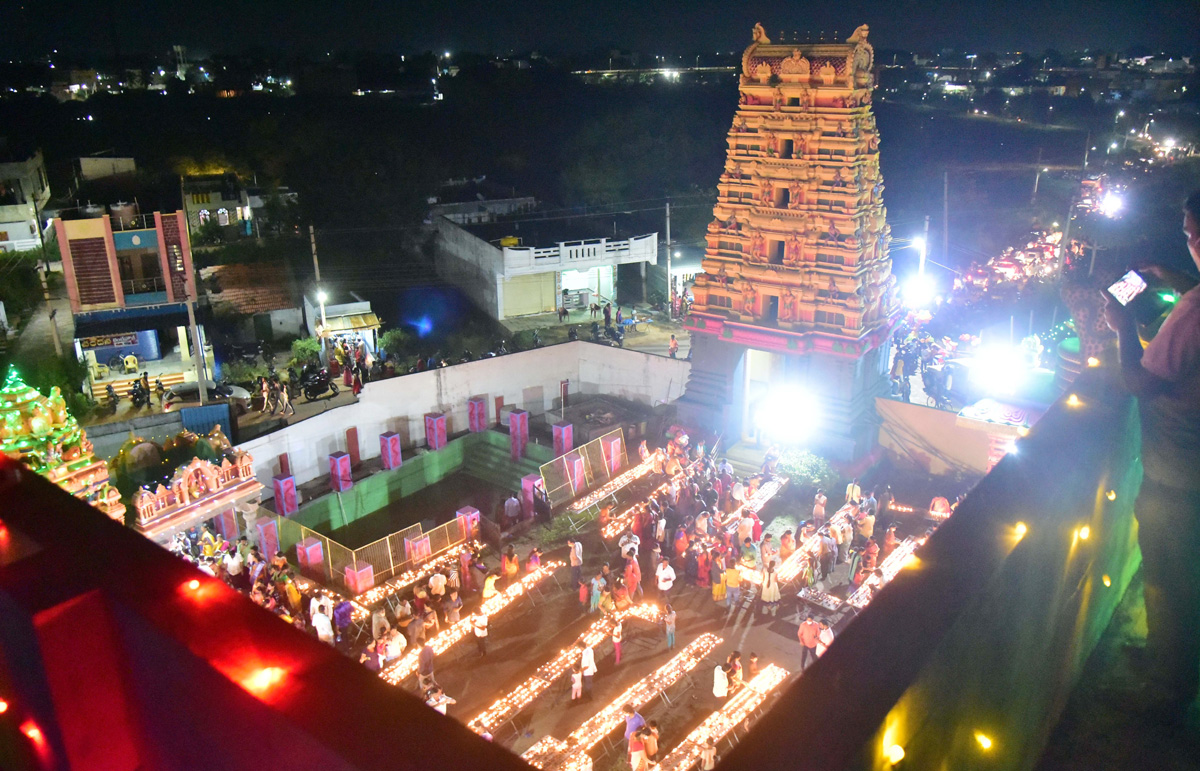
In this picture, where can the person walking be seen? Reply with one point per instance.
(770, 590)
(666, 577)
(479, 625)
(587, 664)
(1164, 377)
(819, 501)
(673, 348)
(808, 634)
(733, 584)
(511, 564)
(618, 633)
(717, 577)
(669, 625)
(824, 637)
(575, 558)
(285, 402)
(576, 682)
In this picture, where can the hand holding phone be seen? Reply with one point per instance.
(1128, 287)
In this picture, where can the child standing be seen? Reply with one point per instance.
(617, 633)
(576, 682)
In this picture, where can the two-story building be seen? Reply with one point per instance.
(129, 278)
(215, 198)
(509, 272)
(24, 192)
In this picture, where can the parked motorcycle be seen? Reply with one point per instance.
(113, 399)
(318, 382)
(572, 334)
(139, 395)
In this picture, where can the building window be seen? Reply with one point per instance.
(176, 257)
(222, 216)
(720, 301)
(825, 317)
(203, 216)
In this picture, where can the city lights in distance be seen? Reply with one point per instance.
(985, 741)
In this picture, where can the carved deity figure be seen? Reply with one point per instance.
(794, 253)
(863, 59)
(768, 193)
(777, 100)
(789, 306)
(828, 73)
(795, 64)
(760, 35)
(749, 298)
(758, 248)
(772, 144)
(795, 195)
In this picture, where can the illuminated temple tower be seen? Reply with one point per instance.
(797, 290)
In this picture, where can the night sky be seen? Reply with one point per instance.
(572, 26)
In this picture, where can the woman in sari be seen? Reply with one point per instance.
(716, 574)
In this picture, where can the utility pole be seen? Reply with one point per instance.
(1037, 177)
(924, 249)
(670, 279)
(945, 217)
(312, 240)
(192, 299)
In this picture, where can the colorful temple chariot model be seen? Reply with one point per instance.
(38, 431)
(187, 481)
(797, 268)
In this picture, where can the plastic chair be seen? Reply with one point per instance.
(131, 364)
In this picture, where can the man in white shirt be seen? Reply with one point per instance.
(666, 577)
(479, 625)
(575, 550)
(745, 528)
(234, 568)
(323, 627)
(853, 491)
(439, 700)
(512, 509)
(738, 493)
(725, 467)
(587, 663)
(824, 637)
(629, 541)
(437, 585)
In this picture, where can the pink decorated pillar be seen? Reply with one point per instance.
(477, 414)
(389, 450)
(310, 554)
(417, 549)
(528, 482)
(435, 430)
(340, 478)
(227, 525)
(564, 438)
(286, 503)
(611, 446)
(361, 578)
(518, 431)
(468, 522)
(576, 473)
(268, 539)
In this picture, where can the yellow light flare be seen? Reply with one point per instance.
(1085, 532)
(1106, 580)
(895, 754)
(1020, 530)
(1074, 401)
(1092, 361)
(985, 741)
(1111, 495)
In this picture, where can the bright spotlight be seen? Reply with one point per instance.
(1167, 143)
(1111, 205)
(918, 243)
(322, 296)
(919, 292)
(1001, 369)
(789, 414)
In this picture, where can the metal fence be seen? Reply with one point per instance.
(387, 557)
(584, 468)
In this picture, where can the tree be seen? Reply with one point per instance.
(395, 342)
(808, 470)
(306, 350)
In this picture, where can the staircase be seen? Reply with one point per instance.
(492, 464)
(708, 397)
(122, 386)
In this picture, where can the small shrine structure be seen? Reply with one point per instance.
(38, 431)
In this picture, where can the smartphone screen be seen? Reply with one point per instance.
(1128, 287)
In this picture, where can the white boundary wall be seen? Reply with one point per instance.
(528, 380)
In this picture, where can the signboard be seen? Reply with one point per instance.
(104, 341)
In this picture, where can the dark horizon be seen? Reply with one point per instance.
(572, 27)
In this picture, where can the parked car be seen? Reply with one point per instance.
(188, 395)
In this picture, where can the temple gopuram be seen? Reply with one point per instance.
(38, 431)
(797, 285)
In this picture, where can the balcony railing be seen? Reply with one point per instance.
(966, 658)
